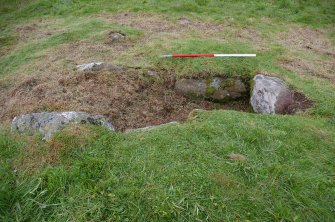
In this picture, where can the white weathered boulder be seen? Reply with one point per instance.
(270, 95)
(48, 123)
(98, 66)
(93, 66)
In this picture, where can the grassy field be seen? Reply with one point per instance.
(178, 172)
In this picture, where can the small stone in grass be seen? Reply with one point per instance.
(116, 36)
(239, 157)
(184, 21)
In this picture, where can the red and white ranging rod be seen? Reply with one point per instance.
(206, 55)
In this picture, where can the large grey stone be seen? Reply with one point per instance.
(48, 123)
(192, 87)
(270, 95)
(218, 89)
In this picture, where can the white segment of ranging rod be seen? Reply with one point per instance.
(234, 55)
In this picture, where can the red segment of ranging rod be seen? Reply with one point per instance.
(191, 55)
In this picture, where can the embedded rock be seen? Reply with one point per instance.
(99, 66)
(184, 21)
(48, 123)
(192, 87)
(116, 36)
(270, 95)
(217, 89)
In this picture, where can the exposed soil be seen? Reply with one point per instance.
(132, 99)
(249, 34)
(32, 31)
(301, 103)
(307, 39)
(321, 69)
(153, 25)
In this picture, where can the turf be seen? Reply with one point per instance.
(178, 172)
(181, 173)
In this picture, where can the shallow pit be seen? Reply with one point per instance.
(131, 98)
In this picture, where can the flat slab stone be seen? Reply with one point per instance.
(49, 123)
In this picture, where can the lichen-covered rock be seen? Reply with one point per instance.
(192, 87)
(48, 123)
(270, 95)
(99, 66)
(217, 89)
(227, 89)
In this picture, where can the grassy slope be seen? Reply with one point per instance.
(182, 173)
(179, 172)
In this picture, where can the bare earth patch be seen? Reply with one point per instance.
(301, 103)
(248, 33)
(131, 98)
(154, 25)
(318, 68)
(35, 30)
(307, 39)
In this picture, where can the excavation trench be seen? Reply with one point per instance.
(131, 98)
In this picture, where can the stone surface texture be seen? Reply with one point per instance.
(99, 66)
(270, 95)
(48, 123)
(217, 89)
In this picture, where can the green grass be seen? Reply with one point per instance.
(75, 31)
(213, 67)
(302, 11)
(181, 173)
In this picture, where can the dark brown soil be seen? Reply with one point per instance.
(132, 99)
(301, 103)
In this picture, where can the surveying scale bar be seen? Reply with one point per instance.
(206, 55)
